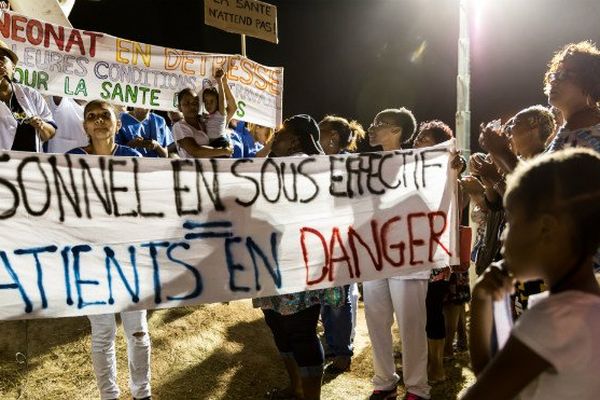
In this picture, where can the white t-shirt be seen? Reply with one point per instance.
(215, 125)
(70, 134)
(563, 329)
(181, 130)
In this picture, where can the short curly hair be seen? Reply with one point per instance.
(585, 60)
(540, 116)
(439, 130)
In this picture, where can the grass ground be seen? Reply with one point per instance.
(214, 351)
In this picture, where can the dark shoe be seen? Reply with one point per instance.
(391, 394)
(144, 398)
(339, 365)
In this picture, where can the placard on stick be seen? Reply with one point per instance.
(246, 17)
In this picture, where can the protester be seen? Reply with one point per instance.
(572, 84)
(293, 318)
(220, 105)
(101, 125)
(145, 131)
(68, 115)
(242, 141)
(339, 136)
(403, 295)
(553, 213)
(262, 136)
(25, 120)
(190, 132)
(526, 133)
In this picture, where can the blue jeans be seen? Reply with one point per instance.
(338, 325)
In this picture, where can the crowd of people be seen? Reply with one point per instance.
(535, 205)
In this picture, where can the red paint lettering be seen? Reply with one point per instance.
(75, 39)
(93, 37)
(412, 242)
(57, 37)
(352, 235)
(17, 27)
(37, 37)
(305, 255)
(434, 236)
(384, 243)
(5, 25)
(335, 237)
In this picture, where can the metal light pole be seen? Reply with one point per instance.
(463, 82)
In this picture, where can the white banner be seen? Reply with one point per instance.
(89, 234)
(88, 65)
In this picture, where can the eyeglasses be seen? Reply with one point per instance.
(531, 123)
(561, 75)
(379, 125)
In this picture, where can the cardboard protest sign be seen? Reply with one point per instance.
(86, 65)
(92, 234)
(249, 17)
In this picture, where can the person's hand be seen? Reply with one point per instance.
(475, 161)
(492, 139)
(493, 284)
(457, 163)
(4, 5)
(35, 121)
(471, 185)
(487, 170)
(228, 151)
(150, 144)
(220, 74)
(137, 141)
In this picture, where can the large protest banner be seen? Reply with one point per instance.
(92, 234)
(86, 65)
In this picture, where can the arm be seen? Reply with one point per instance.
(265, 150)
(198, 151)
(498, 145)
(45, 130)
(231, 101)
(493, 284)
(508, 373)
(154, 145)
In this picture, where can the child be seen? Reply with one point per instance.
(101, 125)
(553, 211)
(189, 133)
(218, 115)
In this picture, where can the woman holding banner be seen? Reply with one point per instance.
(101, 125)
(340, 136)
(25, 119)
(403, 295)
(293, 317)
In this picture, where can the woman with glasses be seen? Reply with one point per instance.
(572, 84)
(403, 295)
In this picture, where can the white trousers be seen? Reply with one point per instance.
(405, 298)
(104, 329)
(354, 295)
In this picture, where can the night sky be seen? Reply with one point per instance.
(355, 57)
